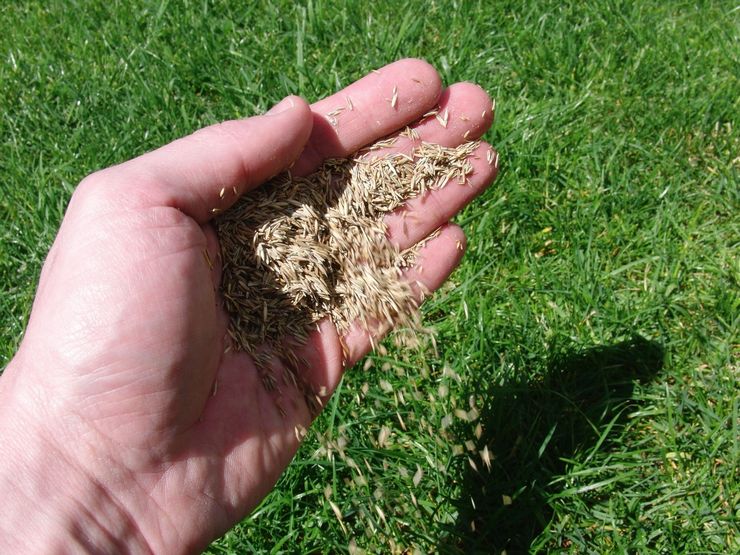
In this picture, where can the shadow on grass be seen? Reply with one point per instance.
(530, 428)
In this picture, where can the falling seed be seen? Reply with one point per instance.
(418, 475)
(381, 514)
(486, 457)
(207, 258)
(383, 436)
(336, 510)
(461, 414)
(401, 422)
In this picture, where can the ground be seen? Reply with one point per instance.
(582, 393)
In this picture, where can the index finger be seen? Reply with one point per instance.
(370, 108)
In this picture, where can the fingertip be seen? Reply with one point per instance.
(294, 109)
(422, 73)
(471, 108)
(454, 242)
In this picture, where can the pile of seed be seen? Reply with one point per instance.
(300, 249)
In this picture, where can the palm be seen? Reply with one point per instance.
(145, 395)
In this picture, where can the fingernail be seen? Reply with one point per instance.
(283, 106)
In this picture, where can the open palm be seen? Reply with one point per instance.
(127, 347)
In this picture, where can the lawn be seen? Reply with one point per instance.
(581, 391)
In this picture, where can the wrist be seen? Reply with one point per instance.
(50, 503)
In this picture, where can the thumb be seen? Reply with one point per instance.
(206, 172)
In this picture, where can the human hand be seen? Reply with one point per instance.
(114, 436)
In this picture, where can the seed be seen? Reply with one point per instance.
(207, 258)
(300, 249)
(466, 134)
(221, 193)
(418, 475)
(486, 456)
(442, 119)
(401, 422)
(335, 112)
(394, 98)
(350, 106)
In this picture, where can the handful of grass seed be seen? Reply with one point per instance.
(300, 249)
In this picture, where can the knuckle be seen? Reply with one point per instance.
(94, 192)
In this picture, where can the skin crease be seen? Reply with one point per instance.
(112, 438)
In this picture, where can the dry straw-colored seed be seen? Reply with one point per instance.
(443, 118)
(300, 249)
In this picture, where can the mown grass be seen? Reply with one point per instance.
(586, 349)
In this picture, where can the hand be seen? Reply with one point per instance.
(110, 434)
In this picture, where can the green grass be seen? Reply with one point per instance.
(589, 340)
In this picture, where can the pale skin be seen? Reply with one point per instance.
(111, 436)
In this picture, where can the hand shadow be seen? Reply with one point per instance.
(530, 427)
